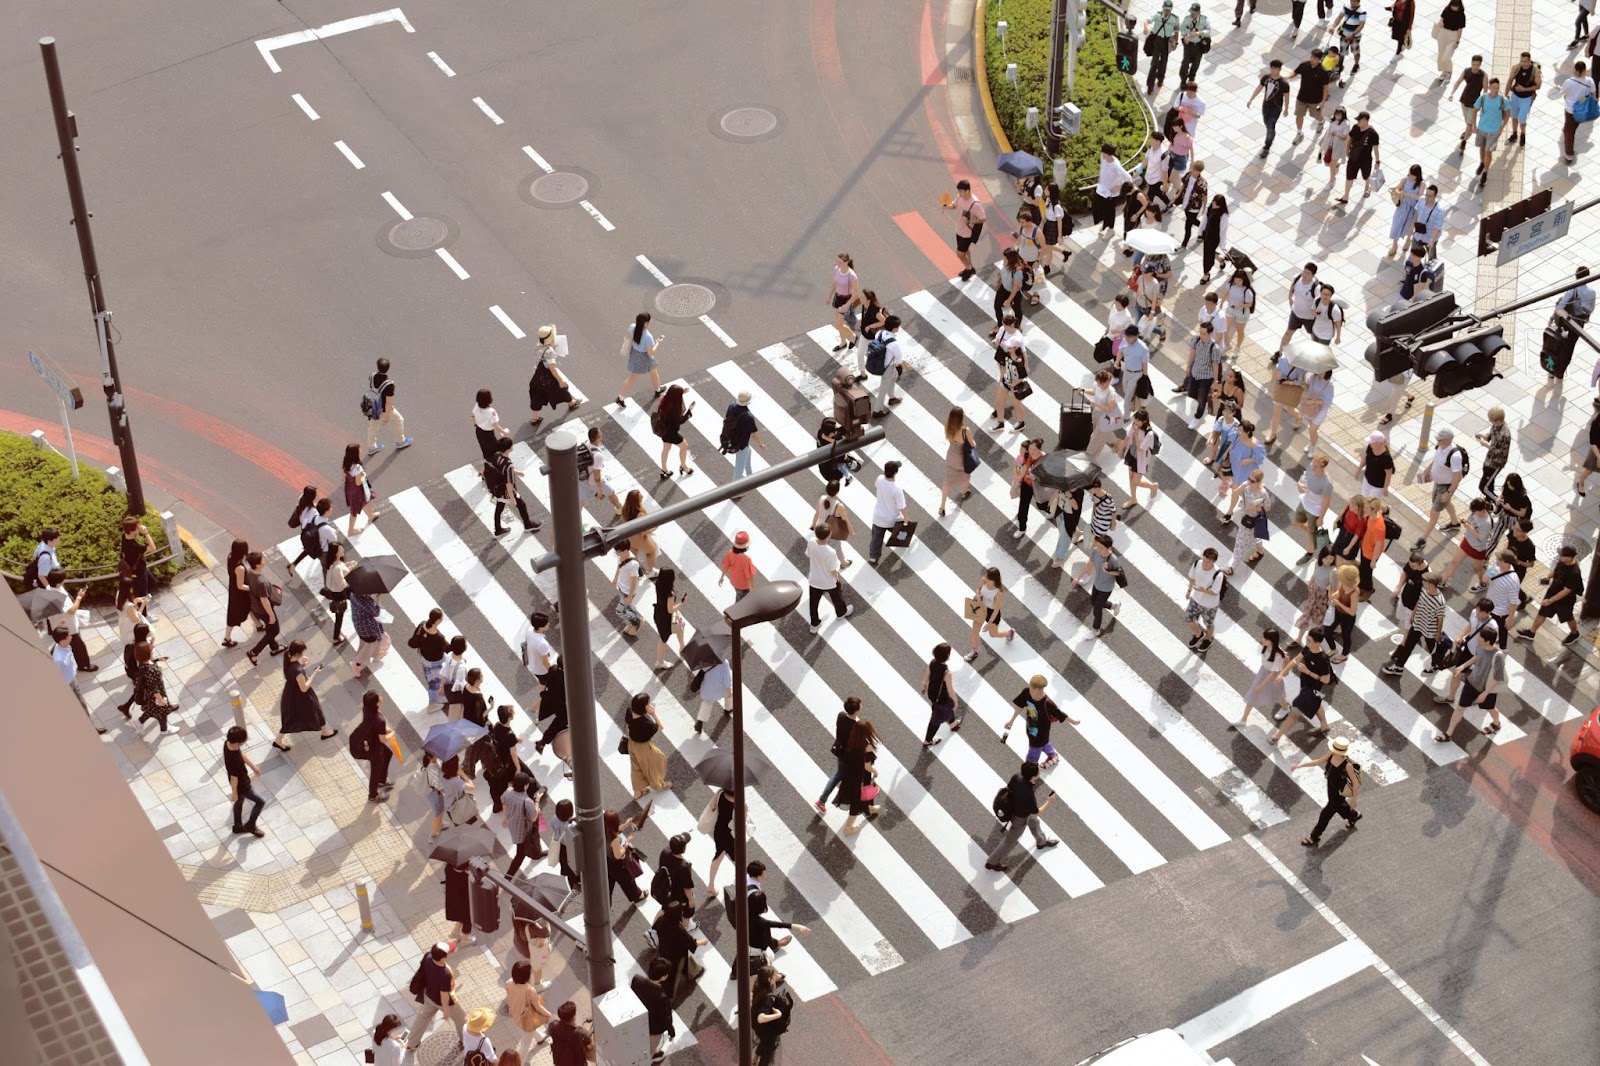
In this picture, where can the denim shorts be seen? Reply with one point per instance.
(1177, 164)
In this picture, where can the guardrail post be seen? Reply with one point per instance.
(169, 526)
(118, 482)
(1427, 427)
(364, 901)
(40, 441)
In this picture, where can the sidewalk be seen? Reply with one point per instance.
(286, 903)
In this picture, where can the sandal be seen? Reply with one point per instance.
(1441, 738)
(665, 474)
(1385, 420)
(1309, 842)
(1491, 730)
(1269, 441)
(955, 726)
(685, 469)
(1252, 558)
(536, 421)
(254, 661)
(230, 644)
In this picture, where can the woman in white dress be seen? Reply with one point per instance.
(1336, 143)
(1266, 688)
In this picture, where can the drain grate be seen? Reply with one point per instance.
(1554, 544)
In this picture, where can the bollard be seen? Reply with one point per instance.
(118, 482)
(1427, 427)
(621, 1029)
(238, 707)
(364, 901)
(169, 526)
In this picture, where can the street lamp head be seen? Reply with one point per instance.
(766, 602)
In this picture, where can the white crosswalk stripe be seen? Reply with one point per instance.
(1153, 772)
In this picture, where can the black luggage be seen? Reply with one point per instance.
(1077, 422)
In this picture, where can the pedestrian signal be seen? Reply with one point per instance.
(1127, 53)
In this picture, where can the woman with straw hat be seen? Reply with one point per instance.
(1344, 788)
(475, 1045)
(547, 387)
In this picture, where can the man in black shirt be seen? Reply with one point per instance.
(1566, 585)
(1273, 89)
(842, 727)
(1316, 670)
(239, 768)
(1022, 802)
(434, 986)
(652, 993)
(384, 411)
(1471, 81)
(1312, 94)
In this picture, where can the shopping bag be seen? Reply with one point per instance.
(974, 608)
(900, 535)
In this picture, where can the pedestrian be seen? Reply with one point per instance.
(1160, 38)
(888, 510)
(431, 645)
(1352, 20)
(1407, 194)
(941, 695)
(1480, 680)
(843, 724)
(238, 609)
(1312, 93)
(336, 578)
(677, 945)
(1023, 811)
(1057, 224)
(1195, 32)
(1039, 713)
(716, 685)
(667, 615)
(1138, 450)
(831, 512)
(497, 754)
(1375, 539)
(1315, 406)
(1315, 670)
(1474, 545)
(133, 629)
(136, 544)
(389, 1041)
(642, 543)
(1030, 245)
(1327, 322)
(358, 491)
(240, 770)
(869, 322)
(61, 655)
(571, 1044)
(1193, 197)
(647, 765)
(472, 704)
(457, 791)
(1575, 89)
(1238, 11)
(1344, 788)
(771, 1007)
(984, 608)
(563, 831)
(434, 988)
(1147, 295)
(639, 345)
(1273, 88)
(1011, 383)
(1504, 591)
(961, 449)
(1565, 586)
(1133, 363)
(1346, 601)
(1446, 467)
(369, 630)
(458, 907)
(486, 425)
(549, 387)
(1316, 492)
(1246, 459)
(762, 922)
(858, 787)
(1364, 157)
(1254, 502)
(522, 817)
(892, 361)
(67, 617)
(1205, 364)
(626, 581)
(1352, 525)
(377, 403)
(1266, 692)
(969, 224)
(1319, 588)
(1402, 13)
(1219, 446)
(1580, 28)
(433, 791)
(723, 807)
(374, 729)
(265, 596)
(1204, 593)
(823, 567)
(526, 1009)
(1447, 32)
(1591, 454)
(738, 567)
(500, 476)
(300, 708)
(1497, 449)
(1525, 81)
(667, 422)
(1472, 82)
(45, 559)
(317, 534)
(844, 296)
(1108, 188)
(1153, 175)
(740, 435)
(1425, 624)
(1022, 481)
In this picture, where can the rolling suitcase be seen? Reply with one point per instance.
(1077, 422)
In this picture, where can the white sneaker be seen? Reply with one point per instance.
(817, 628)
(1019, 534)
(848, 611)
(1280, 714)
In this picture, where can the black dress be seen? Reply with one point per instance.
(854, 778)
(238, 600)
(722, 832)
(133, 553)
(545, 391)
(298, 712)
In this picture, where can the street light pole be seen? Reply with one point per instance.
(765, 603)
(111, 380)
(572, 592)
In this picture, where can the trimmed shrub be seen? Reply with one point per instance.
(37, 489)
(1111, 111)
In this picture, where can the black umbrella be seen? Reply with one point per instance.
(709, 646)
(460, 843)
(1019, 164)
(44, 603)
(716, 768)
(381, 573)
(1059, 470)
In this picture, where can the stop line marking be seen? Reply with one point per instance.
(268, 45)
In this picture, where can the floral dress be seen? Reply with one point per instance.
(1318, 586)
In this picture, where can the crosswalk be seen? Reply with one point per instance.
(1155, 772)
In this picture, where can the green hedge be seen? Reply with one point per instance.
(1111, 112)
(37, 489)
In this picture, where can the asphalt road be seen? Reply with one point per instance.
(246, 261)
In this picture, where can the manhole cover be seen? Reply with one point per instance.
(560, 188)
(1554, 544)
(685, 300)
(418, 234)
(440, 1049)
(749, 121)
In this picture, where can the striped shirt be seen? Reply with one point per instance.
(1428, 614)
(1504, 591)
(1105, 509)
(522, 816)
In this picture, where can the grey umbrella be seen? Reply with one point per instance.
(716, 768)
(44, 603)
(1059, 470)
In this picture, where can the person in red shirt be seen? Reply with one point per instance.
(738, 567)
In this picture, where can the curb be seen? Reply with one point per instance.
(195, 548)
(981, 75)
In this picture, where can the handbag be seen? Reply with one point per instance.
(900, 535)
(1586, 110)
(708, 817)
(1102, 350)
(631, 861)
(1260, 526)
(1022, 389)
(869, 792)
(1144, 390)
(1394, 196)
(974, 609)
(622, 745)
(839, 526)
(1376, 181)
(969, 456)
(1288, 393)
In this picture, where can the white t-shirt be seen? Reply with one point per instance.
(540, 654)
(627, 576)
(891, 501)
(1574, 89)
(1326, 322)
(824, 560)
(484, 417)
(891, 353)
(1108, 411)
(1207, 584)
(1446, 464)
(1303, 298)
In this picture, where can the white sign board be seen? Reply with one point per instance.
(63, 388)
(1535, 233)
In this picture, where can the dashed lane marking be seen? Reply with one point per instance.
(399, 208)
(505, 320)
(487, 110)
(307, 108)
(538, 160)
(355, 160)
(441, 64)
(450, 261)
(594, 212)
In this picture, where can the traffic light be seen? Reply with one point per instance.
(1462, 363)
(1127, 53)
(1080, 21)
(1555, 352)
(1387, 356)
(852, 405)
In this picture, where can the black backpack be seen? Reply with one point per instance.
(1002, 804)
(785, 1006)
(30, 574)
(1466, 460)
(658, 421)
(361, 743)
(661, 885)
(310, 538)
(878, 353)
(730, 423)
(495, 479)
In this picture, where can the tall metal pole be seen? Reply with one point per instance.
(742, 923)
(111, 380)
(572, 593)
(1058, 48)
